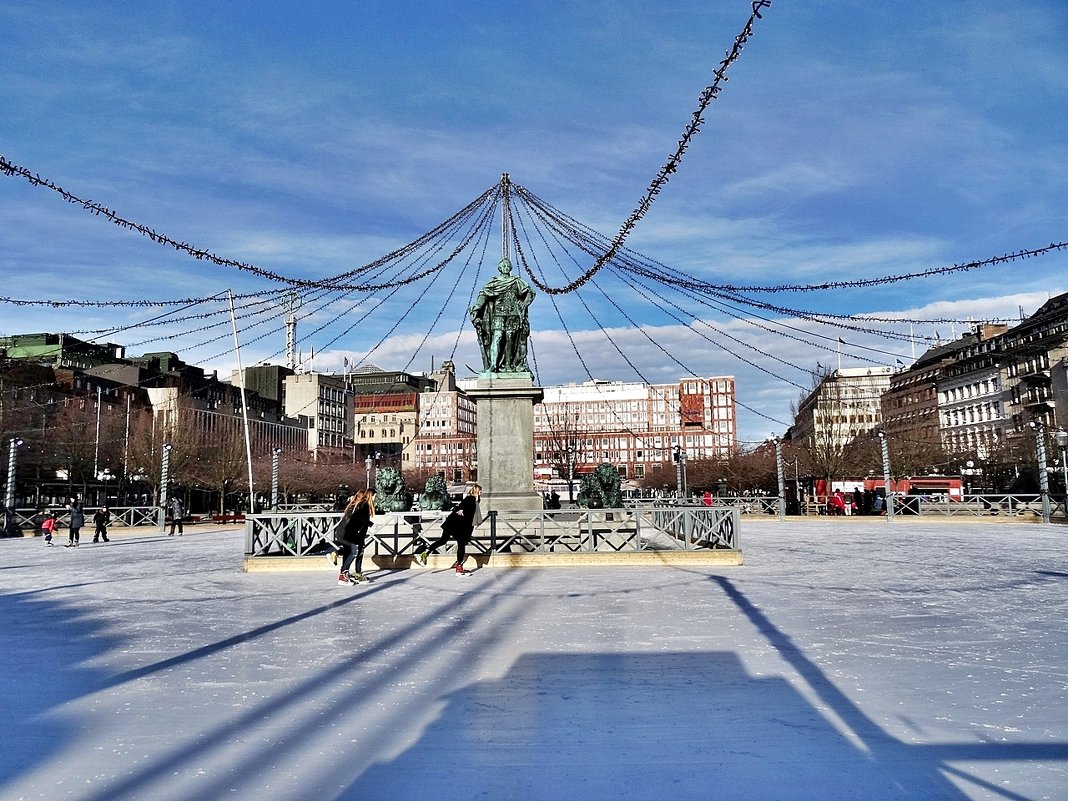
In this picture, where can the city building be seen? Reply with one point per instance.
(385, 414)
(971, 398)
(846, 403)
(1033, 365)
(446, 430)
(929, 403)
(632, 425)
(324, 401)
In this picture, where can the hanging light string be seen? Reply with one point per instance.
(586, 240)
(476, 257)
(478, 232)
(719, 344)
(593, 243)
(706, 97)
(750, 317)
(657, 302)
(202, 254)
(605, 331)
(697, 119)
(103, 304)
(522, 256)
(473, 216)
(863, 283)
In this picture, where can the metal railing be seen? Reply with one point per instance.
(750, 504)
(398, 534)
(979, 505)
(121, 517)
(1005, 505)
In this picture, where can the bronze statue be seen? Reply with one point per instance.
(501, 322)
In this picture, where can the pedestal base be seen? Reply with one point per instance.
(505, 442)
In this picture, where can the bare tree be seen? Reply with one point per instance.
(220, 463)
(566, 444)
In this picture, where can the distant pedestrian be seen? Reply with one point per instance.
(177, 515)
(48, 526)
(100, 521)
(77, 520)
(354, 537)
(858, 501)
(459, 525)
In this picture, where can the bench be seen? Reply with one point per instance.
(234, 518)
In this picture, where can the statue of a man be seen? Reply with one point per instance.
(501, 323)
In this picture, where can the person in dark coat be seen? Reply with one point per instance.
(77, 520)
(458, 525)
(354, 538)
(100, 521)
(177, 515)
(858, 501)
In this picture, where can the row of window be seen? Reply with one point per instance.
(972, 414)
(977, 389)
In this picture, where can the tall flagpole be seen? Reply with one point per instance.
(244, 404)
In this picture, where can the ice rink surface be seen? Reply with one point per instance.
(847, 659)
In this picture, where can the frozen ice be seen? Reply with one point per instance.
(847, 659)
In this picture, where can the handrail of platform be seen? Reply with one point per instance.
(401, 534)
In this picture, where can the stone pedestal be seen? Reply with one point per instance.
(505, 442)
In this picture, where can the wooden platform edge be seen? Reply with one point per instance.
(319, 564)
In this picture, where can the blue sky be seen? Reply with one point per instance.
(853, 140)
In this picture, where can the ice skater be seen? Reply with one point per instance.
(77, 520)
(354, 537)
(177, 515)
(48, 526)
(459, 525)
(100, 523)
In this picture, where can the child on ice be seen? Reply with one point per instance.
(48, 526)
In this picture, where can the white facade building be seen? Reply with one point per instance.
(323, 400)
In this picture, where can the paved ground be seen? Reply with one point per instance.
(923, 660)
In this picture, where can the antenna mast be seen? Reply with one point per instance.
(506, 215)
(291, 301)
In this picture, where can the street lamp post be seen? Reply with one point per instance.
(164, 484)
(1043, 476)
(797, 486)
(105, 476)
(682, 461)
(782, 481)
(275, 454)
(9, 496)
(570, 475)
(1062, 443)
(676, 454)
(884, 447)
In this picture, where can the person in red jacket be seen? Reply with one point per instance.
(48, 526)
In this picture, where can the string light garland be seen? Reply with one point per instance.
(201, 254)
(671, 166)
(863, 283)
